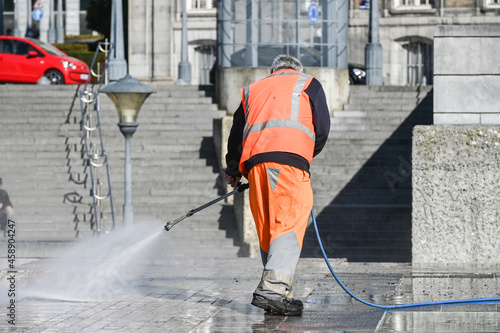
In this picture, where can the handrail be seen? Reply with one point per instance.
(94, 147)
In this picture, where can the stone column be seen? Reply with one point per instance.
(60, 25)
(72, 17)
(51, 33)
(373, 50)
(456, 162)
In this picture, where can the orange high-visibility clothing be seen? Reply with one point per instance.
(278, 119)
(281, 199)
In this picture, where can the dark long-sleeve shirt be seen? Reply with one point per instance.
(321, 122)
(4, 199)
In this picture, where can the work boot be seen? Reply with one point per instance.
(297, 302)
(282, 307)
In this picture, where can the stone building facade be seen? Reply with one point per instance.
(155, 38)
(407, 33)
(18, 15)
(456, 161)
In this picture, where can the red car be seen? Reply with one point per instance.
(26, 60)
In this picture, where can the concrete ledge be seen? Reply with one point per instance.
(457, 118)
(335, 83)
(466, 30)
(456, 197)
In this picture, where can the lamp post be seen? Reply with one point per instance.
(373, 49)
(1, 17)
(128, 95)
(184, 65)
(29, 9)
(117, 65)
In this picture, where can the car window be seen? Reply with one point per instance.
(22, 48)
(6, 46)
(49, 48)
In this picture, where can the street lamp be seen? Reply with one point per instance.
(128, 95)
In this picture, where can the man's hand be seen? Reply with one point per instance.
(233, 181)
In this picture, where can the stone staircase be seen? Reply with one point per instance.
(174, 168)
(362, 179)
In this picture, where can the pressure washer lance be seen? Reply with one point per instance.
(240, 188)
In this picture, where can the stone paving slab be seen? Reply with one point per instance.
(187, 295)
(136, 285)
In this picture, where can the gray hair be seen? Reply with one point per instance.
(286, 61)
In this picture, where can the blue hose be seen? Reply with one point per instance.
(392, 307)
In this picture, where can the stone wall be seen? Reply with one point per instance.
(467, 71)
(151, 44)
(243, 215)
(456, 162)
(456, 195)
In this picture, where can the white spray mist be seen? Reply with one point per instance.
(96, 268)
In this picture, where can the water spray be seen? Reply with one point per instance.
(239, 188)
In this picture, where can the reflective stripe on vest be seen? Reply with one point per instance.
(293, 122)
(277, 109)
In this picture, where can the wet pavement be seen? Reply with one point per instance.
(152, 288)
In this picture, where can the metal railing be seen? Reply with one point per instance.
(95, 154)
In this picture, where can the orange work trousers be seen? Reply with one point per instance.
(281, 200)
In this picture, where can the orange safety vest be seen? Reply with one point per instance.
(278, 116)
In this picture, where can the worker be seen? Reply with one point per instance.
(282, 122)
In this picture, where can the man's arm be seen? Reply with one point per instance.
(234, 147)
(321, 114)
(5, 200)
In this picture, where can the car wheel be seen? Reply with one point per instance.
(54, 76)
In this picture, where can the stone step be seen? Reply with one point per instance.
(389, 89)
(59, 116)
(363, 213)
(173, 140)
(353, 134)
(56, 247)
(382, 107)
(174, 169)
